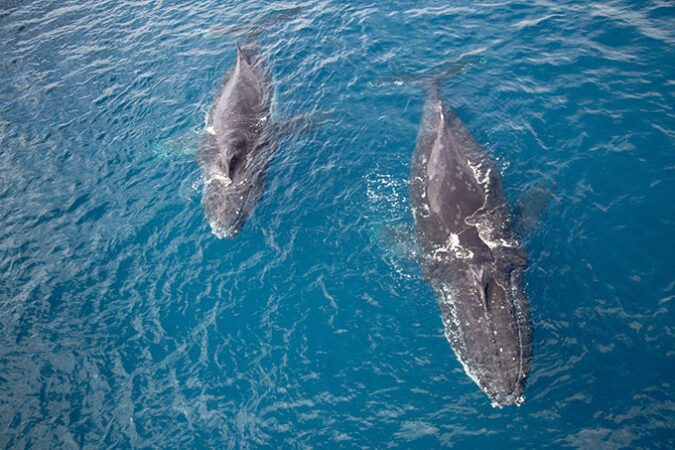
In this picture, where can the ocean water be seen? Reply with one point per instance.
(125, 323)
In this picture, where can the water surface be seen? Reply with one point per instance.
(125, 323)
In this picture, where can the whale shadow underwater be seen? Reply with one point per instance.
(470, 253)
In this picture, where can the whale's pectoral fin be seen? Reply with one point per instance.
(531, 205)
(397, 239)
(304, 123)
(178, 146)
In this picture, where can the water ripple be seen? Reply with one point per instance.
(125, 323)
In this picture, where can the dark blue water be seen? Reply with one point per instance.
(125, 323)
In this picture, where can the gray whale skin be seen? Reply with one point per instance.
(238, 144)
(470, 253)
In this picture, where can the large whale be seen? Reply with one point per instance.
(470, 253)
(238, 143)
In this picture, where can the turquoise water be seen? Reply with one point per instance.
(125, 323)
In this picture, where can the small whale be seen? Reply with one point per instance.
(470, 253)
(240, 137)
(238, 143)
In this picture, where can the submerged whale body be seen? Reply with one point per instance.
(470, 253)
(238, 143)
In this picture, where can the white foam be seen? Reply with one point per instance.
(218, 177)
(483, 178)
(485, 233)
(219, 231)
(452, 246)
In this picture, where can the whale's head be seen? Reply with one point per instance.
(232, 188)
(224, 206)
(488, 328)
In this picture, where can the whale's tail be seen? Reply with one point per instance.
(432, 79)
(251, 30)
(279, 15)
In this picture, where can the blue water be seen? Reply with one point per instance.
(125, 323)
